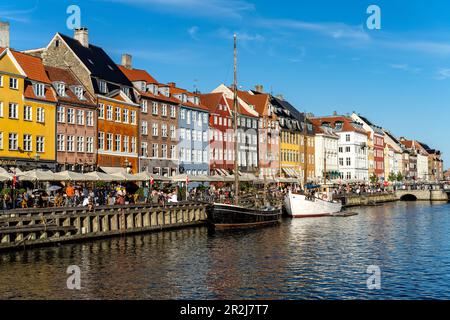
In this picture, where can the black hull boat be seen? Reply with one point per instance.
(224, 216)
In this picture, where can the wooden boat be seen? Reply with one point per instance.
(301, 206)
(225, 216)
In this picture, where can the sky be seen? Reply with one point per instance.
(320, 55)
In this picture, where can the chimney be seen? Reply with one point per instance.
(4, 34)
(126, 61)
(279, 96)
(259, 88)
(172, 84)
(82, 35)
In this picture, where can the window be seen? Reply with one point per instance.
(144, 127)
(13, 83)
(173, 112)
(101, 140)
(205, 136)
(347, 138)
(348, 161)
(133, 117)
(109, 112)
(13, 141)
(341, 149)
(144, 106)
(90, 118)
(155, 129)
(89, 144)
(155, 108)
(109, 141)
(40, 117)
(133, 144)
(27, 142)
(60, 114)
(182, 114)
(205, 118)
(60, 142)
(118, 113)
(13, 111)
(126, 144)
(61, 89)
(173, 152)
(80, 144)
(349, 175)
(164, 130)
(70, 143)
(79, 92)
(118, 143)
(194, 116)
(347, 149)
(172, 132)
(1, 109)
(154, 150)
(126, 113)
(27, 113)
(188, 117)
(182, 134)
(102, 86)
(144, 149)
(101, 111)
(194, 135)
(39, 89)
(71, 115)
(1, 81)
(164, 151)
(188, 135)
(164, 110)
(80, 117)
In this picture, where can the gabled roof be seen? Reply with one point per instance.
(241, 109)
(258, 101)
(137, 75)
(65, 76)
(174, 90)
(97, 61)
(31, 65)
(211, 100)
(348, 124)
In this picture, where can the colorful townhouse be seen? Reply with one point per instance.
(268, 131)
(76, 122)
(352, 147)
(193, 123)
(27, 112)
(326, 148)
(393, 148)
(221, 133)
(247, 132)
(158, 121)
(117, 107)
(375, 146)
(435, 163)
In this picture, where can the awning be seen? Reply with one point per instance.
(38, 175)
(70, 176)
(113, 170)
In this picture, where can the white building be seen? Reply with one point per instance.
(352, 147)
(326, 153)
(397, 165)
(422, 166)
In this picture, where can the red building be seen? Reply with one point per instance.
(378, 152)
(221, 146)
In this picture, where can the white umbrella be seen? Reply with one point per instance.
(145, 175)
(70, 176)
(5, 177)
(182, 178)
(127, 177)
(100, 176)
(37, 175)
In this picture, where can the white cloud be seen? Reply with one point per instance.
(22, 15)
(242, 36)
(192, 31)
(216, 8)
(443, 74)
(405, 67)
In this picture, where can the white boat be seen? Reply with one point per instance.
(301, 206)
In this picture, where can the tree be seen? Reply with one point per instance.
(400, 177)
(392, 177)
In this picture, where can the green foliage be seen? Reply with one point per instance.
(100, 184)
(373, 178)
(392, 177)
(400, 177)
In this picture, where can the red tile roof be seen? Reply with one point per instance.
(64, 75)
(347, 123)
(174, 90)
(241, 109)
(211, 100)
(137, 75)
(259, 101)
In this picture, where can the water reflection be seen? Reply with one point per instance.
(322, 258)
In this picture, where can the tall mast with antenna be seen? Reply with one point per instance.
(305, 150)
(235, 106)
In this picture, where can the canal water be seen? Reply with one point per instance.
(320, 258)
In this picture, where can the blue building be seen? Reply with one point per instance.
(193, 133)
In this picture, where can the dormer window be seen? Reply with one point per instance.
(39, 89)
(78, 90)
(184, 97)
(61, 89)
(126, 90)
(251, 106)
(102, 86)
(197, 100)
(143, 86)
(155, 90)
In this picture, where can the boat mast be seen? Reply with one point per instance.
(305, 153)
(235, 102)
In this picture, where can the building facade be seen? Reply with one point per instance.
(158, 122)
(76, 122)
(27, 112)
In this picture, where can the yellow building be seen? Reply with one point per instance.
(291, 152)
(27, 112)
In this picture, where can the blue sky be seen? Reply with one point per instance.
(318, 54)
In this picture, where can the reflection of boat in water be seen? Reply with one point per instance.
(225, 216)
(299, 206)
